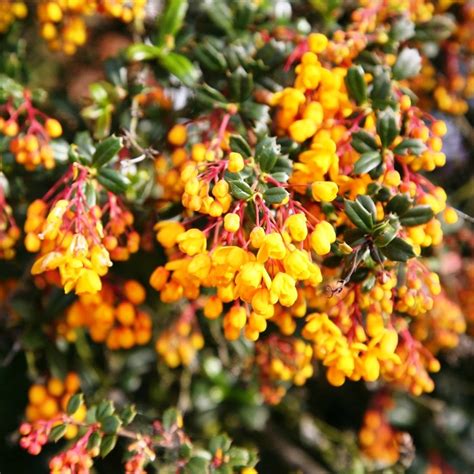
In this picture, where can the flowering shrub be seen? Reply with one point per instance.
(236, 208)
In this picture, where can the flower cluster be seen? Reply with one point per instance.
(9, 231)
(111, 315)
(382, 444)
(178, 344)
(282, 361)
(76, 236)
(63, 22)
(48, 402)
(29, 132)
(10, 10)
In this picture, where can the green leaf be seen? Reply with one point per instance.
(57, 432)
(171, 20)
(181, 67)
(170, 418)
(108, 444)
(387, 127)
(381, 89)
(143, 52)
(74, 403)
(367, 162)
(128, 414)
(408, 64)
(356, 84)
(210, 97)
(210, 57)
(238, 456)
(266, 153)
(220, 14)
(358, 215)
(106, 151)
(104, 409)
(240, 84)
(113, 180)
(368, 204)
(219, 442)
(363, 141)
(398, 250)
(399, 204)
(240, 145)
(94, 441)
(413, 146)
(385, 236)
(111, 424)
(417, 215)
(196, 465)
(240, 190)
(275, 195)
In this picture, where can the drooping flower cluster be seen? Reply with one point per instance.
(29, 132)
(74, 235)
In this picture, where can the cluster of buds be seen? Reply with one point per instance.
(179, 343)
(380, 442)
(111, 315)
(48, 401)
(63, 22)
(282, 361)
(29, 132)
(11, 10)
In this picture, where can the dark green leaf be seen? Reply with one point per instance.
(170, 418)
(128, 414)
(266, 153)
(74, 403)
(367, 162)
(240, 84)
(196, 465)
(385, 236)
(416, 216)
(94, 441)
(240, 145)
(57, 432)
(398, 250)
(104, 409)
(113, 180)
(240, 190)
(110, 424)
(106, 151)
(412, 146)
(356, 84)
(108, 444)
(358, 215)
(363, 141)
(399, 204)
(387, 128)
(275, 195)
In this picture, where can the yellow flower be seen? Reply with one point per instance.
(231, 222)
(296, 224)
(317, 42)
(177, 135)
(88, 282)
(192, 242)
(324, 191)
(283, 289)
(236, 162)
(272, 247)
(322, 237)
(168, 232)
(301, 130)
